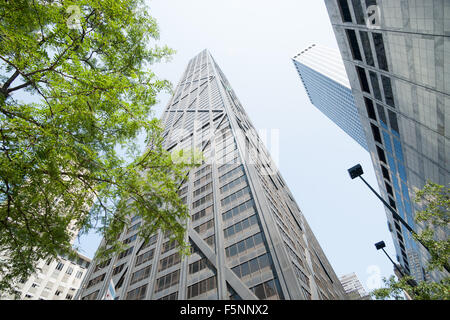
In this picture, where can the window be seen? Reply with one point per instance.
(59, 266)
(234, 196)
(140, 275)
(118, 269)
(240, 226)
(96, 280)
(58, 292)
(172, 296)
(202, 287)
(375, 85)
(381, 154)
(393, 121)
(269, 289)
(370, 109)
(202, 213)
(69, 297)
(130, 239)
(205, 226)
(379, 49)
(168, 245)
(381, 114)
(203, 200)
(376, 133)
(79, 274)
(69, 270)
(345, 11)
(367, 48)
(238, 170)
(151, 241)
(202, 189)
(200, 265)
(145, 257)
(358, 10)
(238, 209)
(233, 184)
(244, 245)
(351, 36)
(254, 265)
(167, 281)
(137, 294)
(388, 94)
(125, 253)
(389, 189)
(169, 261)
(102, 265)
(385, 173)
(363, 79)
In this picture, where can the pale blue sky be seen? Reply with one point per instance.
(253, 42)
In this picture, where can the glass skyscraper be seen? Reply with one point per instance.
(323, 75)
(397, 58)
(249, 238)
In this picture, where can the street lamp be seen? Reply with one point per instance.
(401, 273)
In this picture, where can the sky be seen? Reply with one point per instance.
(253, 42)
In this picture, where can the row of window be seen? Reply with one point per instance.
(167, 281)
(202, 200)
(202, 213)
(234, 196)
(268, 290)
(233, 184)
(137, 294)
(96, 280)
(202, 287)
(199, 265)
(229, 174)
(169, 261)
(202, 179)
(141, 274)
(202, 189)
(238, 209)
(168, 245)
(145, 257)
(240, 226)
(254, 265)
(244, 245)
(205, 226)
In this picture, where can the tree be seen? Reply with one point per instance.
(75, 85)
(435, 199)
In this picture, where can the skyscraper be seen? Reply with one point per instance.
(353, 287)
(249, 238)
(323, 74)
(397, 58)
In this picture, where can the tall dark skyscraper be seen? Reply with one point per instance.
(397, 58)
(249, 238)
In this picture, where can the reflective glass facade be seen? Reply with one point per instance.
(404, 69)
(333, 98)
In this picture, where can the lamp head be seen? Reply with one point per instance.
(380, 245)
(355, 171)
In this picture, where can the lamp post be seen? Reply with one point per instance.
(401, 273)
(357, 171)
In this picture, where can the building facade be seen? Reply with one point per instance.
(353, 287)
(323, 75)
(397, 58)
(249, 238)
(55, 279)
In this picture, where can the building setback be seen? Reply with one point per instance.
(397, 58)
(249, 238)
